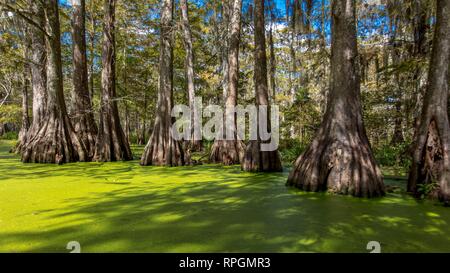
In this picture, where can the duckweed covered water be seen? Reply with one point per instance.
(123, 207)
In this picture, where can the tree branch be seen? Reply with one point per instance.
(22, 14)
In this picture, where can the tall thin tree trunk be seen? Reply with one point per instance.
(227, 151)
(162, 149)
(84, 122)
(92, 52)
(224, 47)
(340, 159)
(255, 159)
(56, 141)
(431, 159)
(272, 62)
(127, 122)
(111, 142)
(195, 143)
(25, 126)
(397, 137)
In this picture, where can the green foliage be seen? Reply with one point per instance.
(291, 149)
(393, 155)
(427, 189)
(10, 113)
(9, 136)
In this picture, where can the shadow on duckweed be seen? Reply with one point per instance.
(123, 207)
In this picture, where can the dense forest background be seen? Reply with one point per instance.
(394, 39)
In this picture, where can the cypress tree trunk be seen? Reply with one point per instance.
(231, 152)
(162, 149)
(111, 144)
(225, 47)
(56, 141)
(194, 145)
(340, 159)
(255, 159)
(272, 64)
(93, 21)
(431, 162)
(38, 67)
(25, 126)
(84, 122)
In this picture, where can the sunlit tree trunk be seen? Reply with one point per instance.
(431, 162)
(340, 159)
(84, 122)
(162, 149)
(111, 142)
(56, 141)
(25, 126)
(194, 144)
(231, 152)
(38, 67)
(255, 159)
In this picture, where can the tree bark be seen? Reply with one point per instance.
(111, 144)
(256, 160)
(340, 159)
(56, 141)
(224, 46)
(231, 152)
(397, 137)
(38, 67)
(25, 126)
(162, 149)
(84, 122)
(431, 162)
(194, 144)
(93, 21)
(272, 64)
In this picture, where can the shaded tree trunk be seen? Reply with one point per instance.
(226, 151)
(194, 144)
(340, 159)
(56, 141)
(272, 61)
(111, 141)
(84, 122)
(255, 159)
(397, 137)
(91, 35)
(431, 162)
(162, 149)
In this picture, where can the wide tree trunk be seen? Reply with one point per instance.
(227, 151)
(340, 159)
(83, 115)
(38, 67)
(162, 148)
(255, 159)
(111, 144)
(431, 162)
(56, 141)
(195, 144)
